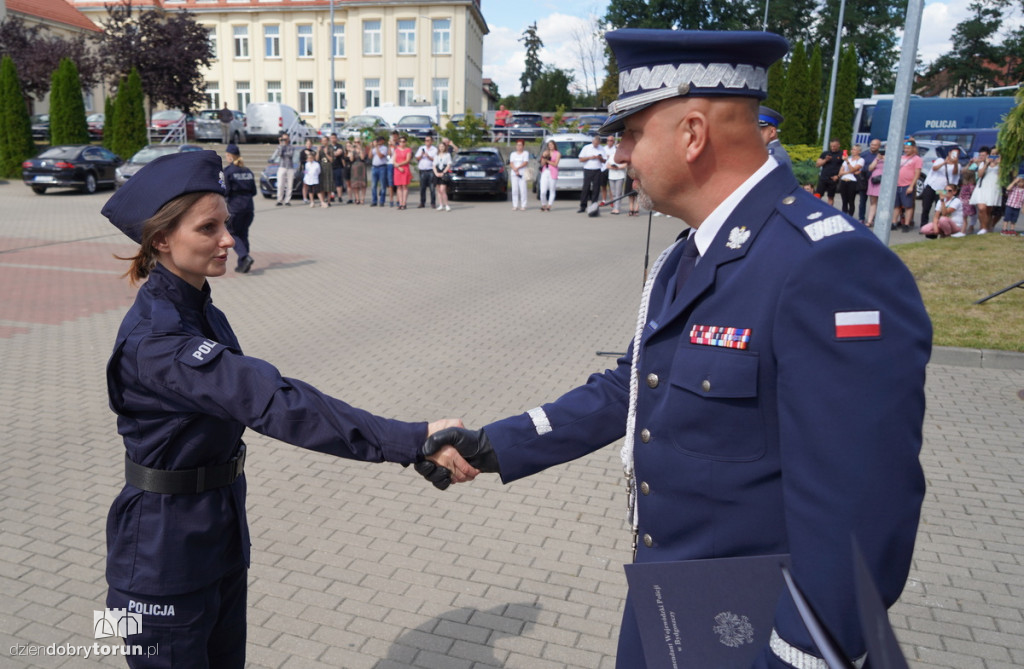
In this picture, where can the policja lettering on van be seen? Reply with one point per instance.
(147, 609)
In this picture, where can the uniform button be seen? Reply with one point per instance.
(648, 541)
(644, 488)
(705, 385)
(645, 435)
(789, 199)
(652, 380)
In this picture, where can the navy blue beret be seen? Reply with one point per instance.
(768, 116)
(656, 65)
(159, 182)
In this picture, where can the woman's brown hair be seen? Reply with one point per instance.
(165, 220)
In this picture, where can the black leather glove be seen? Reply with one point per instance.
(473, 445)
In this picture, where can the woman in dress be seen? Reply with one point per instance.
(403, 173)
(442, 168)
(357, 170)
(987, 194)
(874, 186)
(325, 156)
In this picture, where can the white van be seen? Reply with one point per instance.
(265, 121)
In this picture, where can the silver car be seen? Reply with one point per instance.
(146, 155)
(208, 126)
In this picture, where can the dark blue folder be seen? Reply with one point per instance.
(698, 614)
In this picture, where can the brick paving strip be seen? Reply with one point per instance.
(480, 313)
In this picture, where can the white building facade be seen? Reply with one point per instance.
(382, 51)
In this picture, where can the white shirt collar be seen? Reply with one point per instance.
(717, 218)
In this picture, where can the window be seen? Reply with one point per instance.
(371, 38)
(212, 95)
(305, 97)
(243, 96)
(339, 40)
(272, 41)
(405, 89)
(339, 95)
(407, 37)
(211, 39)
(442, 36)
(372, 88)
(441, 95)
(241, 34)
(274, 92)
(305, 41)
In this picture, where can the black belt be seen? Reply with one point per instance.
(184, 481)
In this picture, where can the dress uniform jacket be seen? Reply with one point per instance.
(789, 442)
(777, 151)
(240, 186)
(184, 392)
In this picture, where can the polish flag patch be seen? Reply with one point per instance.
(858, 324)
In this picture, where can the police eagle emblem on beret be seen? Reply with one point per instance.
(733, 630)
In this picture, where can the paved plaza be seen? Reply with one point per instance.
(479, 313)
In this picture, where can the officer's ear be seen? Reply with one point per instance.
(160, 243)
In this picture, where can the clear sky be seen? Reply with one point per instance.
(558, 22)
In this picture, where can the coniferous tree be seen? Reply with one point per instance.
(67, 106)
(533, 68)
(795, 104)
(846, 91)
(129, 117)
(16, 144)
(108, 122)
(776, 86)
(817, 98)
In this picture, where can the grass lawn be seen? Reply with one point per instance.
(954, 273)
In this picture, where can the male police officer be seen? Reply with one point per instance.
(773, 396)
(768, 121)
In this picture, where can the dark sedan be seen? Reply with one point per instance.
(526, 126)
(416, 125)
(478, 171)
(84, 167)
(268, 178)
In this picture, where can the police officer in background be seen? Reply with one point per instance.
(772, 397)
(768, 120)
(240, 189)
(183, 392)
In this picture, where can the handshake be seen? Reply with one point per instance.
(454, 455)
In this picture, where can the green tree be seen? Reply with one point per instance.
(67, 106)
(533, 67)
(1011, 141)
(874, 28)
(472, 131)
(968, 65)
(816, 79)
(776, 86)
(129, 117)
(846, 91)
(609, 89)
(551, 89)
(16, 144)
(108, 121)
(684, 14)
(797, 126)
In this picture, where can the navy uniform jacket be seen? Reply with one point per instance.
(777, 151)
(788, 446)
(240, 185)
(184, 393)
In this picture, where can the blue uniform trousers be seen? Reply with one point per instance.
(239, 224)
(204, 629)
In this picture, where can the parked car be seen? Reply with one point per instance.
(40, 126)
(357, 125)
(416, 125)
(456, 119)
(162, 122)
(525, 126)
(148, 154)
(268, 178)
(478, 171)
(85, 167)
(589, 124)
(570, 171)
(95, 123)
(325, 128)
(208, 126)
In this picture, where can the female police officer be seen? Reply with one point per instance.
(177, 538)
